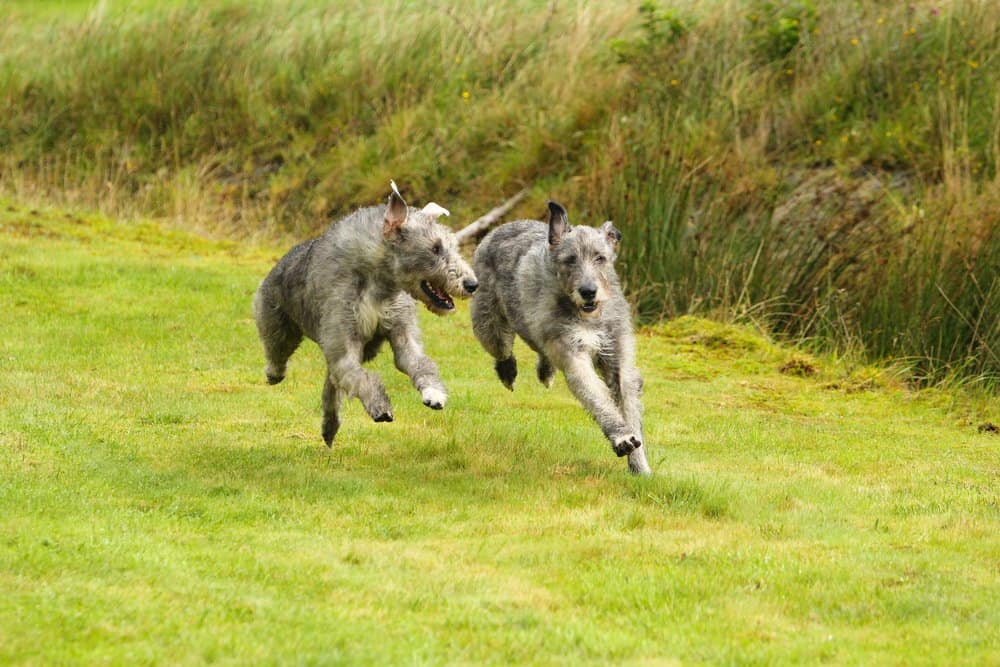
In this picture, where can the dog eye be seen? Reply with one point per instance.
(600, 259)
(571, 260)
(437, 248)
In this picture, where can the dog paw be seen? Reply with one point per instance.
(626, 444)
(507, 371)
(379, 408)
(546, 373)
(275, 374)
(434, 398)
(331, 425)
(637, 465)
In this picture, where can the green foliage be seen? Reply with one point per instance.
(795, 196)
(777, 28)
(305, 123)
(160, 503)
(661, 29)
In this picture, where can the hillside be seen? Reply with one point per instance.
(160, 503)
(825, 169)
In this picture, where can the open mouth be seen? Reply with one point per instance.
(589, 307)
(439, 298)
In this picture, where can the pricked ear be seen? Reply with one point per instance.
(612, 234)
(434, 210)
(558, 223)
(395, 212)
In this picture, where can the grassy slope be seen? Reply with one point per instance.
(159, 502)
(827, 167)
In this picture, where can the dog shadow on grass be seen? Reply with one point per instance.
(425, 475)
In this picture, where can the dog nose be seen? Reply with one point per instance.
(588, 292)
(470, 285)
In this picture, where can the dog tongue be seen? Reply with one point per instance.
(435, 293)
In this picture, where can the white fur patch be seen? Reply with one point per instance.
(432, 396)
(588, 339)
(434, 210)
(367, 314)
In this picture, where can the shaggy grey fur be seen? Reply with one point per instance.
(555, 286)
(354, 288)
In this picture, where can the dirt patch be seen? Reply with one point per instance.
(799, 367)
(723, 341)
(24, 228)
(989, 427)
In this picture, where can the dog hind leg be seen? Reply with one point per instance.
(545, 370)
(372, 348)
(495, 334)
(332, 398)
(279, 335)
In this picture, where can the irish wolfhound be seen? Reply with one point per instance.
(354, 288)
(555, 286)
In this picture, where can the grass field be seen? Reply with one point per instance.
(159, 503)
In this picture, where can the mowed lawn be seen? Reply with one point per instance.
(160, 503)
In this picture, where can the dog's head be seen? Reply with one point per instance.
(428, 263)
(582, 259)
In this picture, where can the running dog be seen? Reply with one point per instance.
(555, 286)
(354, 288)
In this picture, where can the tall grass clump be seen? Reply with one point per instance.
(281, 114)
(827, 169)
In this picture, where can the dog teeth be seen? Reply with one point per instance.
(442, 298)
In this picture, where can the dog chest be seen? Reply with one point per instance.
(367, 314)
(586, 339)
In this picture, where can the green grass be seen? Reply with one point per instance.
(160, 503)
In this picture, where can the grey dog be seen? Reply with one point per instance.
(354, 288)
(555, 286)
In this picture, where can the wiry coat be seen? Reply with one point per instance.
(354, 288)
(555, 287)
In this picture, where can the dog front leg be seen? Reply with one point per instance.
(625, 384)
(410, 359)
(348, 376)
(630, 393)
(631, 404)
(596, 398)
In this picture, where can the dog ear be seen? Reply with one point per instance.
(395, 212)
(434, 210)
(612, 234)
(558, 223)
